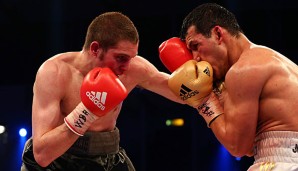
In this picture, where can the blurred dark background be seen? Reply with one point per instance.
(34, 30)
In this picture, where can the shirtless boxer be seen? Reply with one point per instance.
(255, 111)
(77, 99)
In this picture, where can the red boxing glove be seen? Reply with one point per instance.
(101, 91)
(173, 53)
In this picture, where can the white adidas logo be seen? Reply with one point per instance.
(98, 98)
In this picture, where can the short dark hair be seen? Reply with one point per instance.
(109, 28)
(206, 16)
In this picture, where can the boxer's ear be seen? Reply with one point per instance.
(95, 48)
(218, 32)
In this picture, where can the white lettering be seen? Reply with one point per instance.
(95, 101)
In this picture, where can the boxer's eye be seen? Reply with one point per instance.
(122, 59)
(193, 46)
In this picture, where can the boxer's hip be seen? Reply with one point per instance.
(276, 146)
(94, 151)
(96, 143)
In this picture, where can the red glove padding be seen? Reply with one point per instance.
(101, 91)
(173, 53)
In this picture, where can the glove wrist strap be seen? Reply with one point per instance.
(80, 119)
(210, 110)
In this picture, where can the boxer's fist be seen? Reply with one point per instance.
(101, 91)
(173, 53)
(192, 82)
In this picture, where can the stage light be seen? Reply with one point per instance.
(19, 148)
(2, 129)
(223, 159)
(238, 158)
(23, 132)
(175, 122)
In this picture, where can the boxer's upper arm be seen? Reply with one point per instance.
(46, 100)
(244, 84)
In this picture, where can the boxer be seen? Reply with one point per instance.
(259, 99)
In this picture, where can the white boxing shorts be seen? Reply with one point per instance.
(276, 151)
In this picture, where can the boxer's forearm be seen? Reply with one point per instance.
(52, 144)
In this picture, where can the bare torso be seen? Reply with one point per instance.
(277, 78)
(140, 72)
(72, 96)
(59, 79)
(278, 107)
(260, 95)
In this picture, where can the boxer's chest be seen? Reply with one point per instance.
(72, 95)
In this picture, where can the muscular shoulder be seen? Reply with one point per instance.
(255, 60)
(260, 59)
(55, 71)
(53, 67)
(252, 70)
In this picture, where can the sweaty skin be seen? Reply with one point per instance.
(260, 92)
(63, 75)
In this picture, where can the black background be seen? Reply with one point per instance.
(34, 30)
